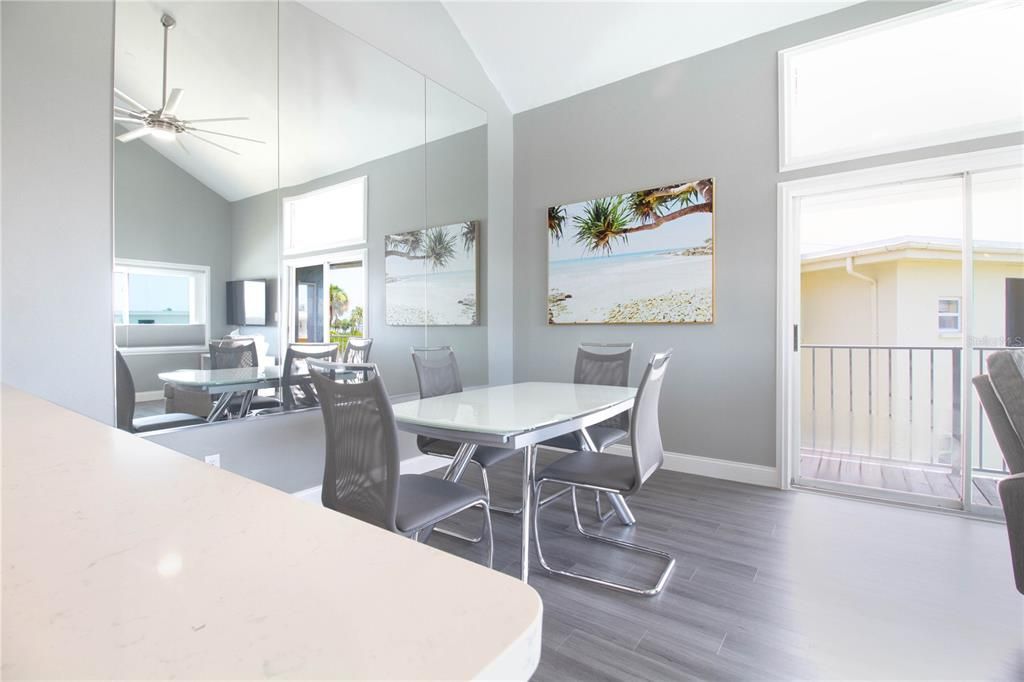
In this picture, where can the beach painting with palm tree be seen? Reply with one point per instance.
(431, 276)
(645, 257)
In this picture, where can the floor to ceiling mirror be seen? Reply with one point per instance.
(280, 179)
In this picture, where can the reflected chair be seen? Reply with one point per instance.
(605, 364)
(357, 351)
(362, 475)
(296, 385)
(239, 353)
(1001, 393)
(625, 476)
(125, 394)
(437, 373)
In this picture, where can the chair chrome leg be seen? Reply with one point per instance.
(644, 591)
(489, 530)
(487, 490)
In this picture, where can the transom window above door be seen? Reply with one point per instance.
(326, 218)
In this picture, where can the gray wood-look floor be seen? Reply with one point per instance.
(771, 584)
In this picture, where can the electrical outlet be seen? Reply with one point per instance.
(213, 459)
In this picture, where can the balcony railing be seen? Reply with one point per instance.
(894, 403)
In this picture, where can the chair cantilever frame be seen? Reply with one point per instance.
(601, 473)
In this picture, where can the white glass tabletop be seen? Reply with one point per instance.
(203, 378)
(511, 408)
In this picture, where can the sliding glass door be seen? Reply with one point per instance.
(905, 286)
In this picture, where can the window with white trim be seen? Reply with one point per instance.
(326, 218)
(949, 315)
(150, 293)
(944, 74)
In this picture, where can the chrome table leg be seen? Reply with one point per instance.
(529, 459)
(220, 406)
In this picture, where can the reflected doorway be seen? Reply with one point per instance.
(327, 298)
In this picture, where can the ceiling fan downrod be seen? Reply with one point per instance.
(168, 23)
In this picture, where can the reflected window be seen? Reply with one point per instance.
(326, 218)
(159, 294)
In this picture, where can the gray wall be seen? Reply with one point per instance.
(256, 253)
(399, 199)
(715, 114)
(57, 336)
(161, 213)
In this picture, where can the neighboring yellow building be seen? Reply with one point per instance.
(906, 293)
(891, 401)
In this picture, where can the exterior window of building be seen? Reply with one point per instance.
(949, 315)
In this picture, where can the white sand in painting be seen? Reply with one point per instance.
(644, 287)
(445, 298)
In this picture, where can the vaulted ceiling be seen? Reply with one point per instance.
(540, 52)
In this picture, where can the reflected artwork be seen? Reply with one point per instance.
(646, 257)
(431, 276)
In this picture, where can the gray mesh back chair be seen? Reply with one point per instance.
(362, 475)
(437, 373)
(620, 475)
(1001, 393)
(608, 367)
(607, 364)
(125, 394)
(296, 386)
(232, 353)
(357, 351)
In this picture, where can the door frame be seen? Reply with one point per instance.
(788, 291)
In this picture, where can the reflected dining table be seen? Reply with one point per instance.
(518, 416)
(226, 383)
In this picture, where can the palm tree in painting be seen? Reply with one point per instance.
(435, 245)
(606, 220)
(556, 221)
(468, 235)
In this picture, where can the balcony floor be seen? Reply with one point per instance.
(891, 475)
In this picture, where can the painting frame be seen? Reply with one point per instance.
(418, 245)
(711, 243)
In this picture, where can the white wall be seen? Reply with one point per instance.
(57, 202)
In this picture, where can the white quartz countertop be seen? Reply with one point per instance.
(123, 559)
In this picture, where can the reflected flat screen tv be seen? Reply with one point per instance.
(247, 302)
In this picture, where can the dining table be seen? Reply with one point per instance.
(517, 416)
(226, 383)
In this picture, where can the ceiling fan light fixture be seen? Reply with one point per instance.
(163, 130)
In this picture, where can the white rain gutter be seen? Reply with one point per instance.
(874, 295)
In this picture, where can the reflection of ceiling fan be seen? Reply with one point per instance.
(162, 123)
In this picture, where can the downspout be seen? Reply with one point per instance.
(874, 296)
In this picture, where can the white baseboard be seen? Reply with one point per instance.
(420, 464)
(740, 472)
(145, 396)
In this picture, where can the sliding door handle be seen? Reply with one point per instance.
(796, 338)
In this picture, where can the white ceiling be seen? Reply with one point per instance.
(342, 102)
(540, 52)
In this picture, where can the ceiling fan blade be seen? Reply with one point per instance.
(129, 112)
(177, 138)
(214, 120)
(173, 100)
(135, 134)
(214, 132)
(128, 99)
(126, 119)
(203, 139)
